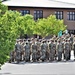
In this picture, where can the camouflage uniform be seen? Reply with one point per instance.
(74, 49)
(27, 52)
(59, 51)
(63, 43)
(22, 51)
(52, 48)
(43, 51)
(67, 50)
(47, 50)
(34, 51)
(38, 54)
(18, 52)
(12, 57)
(71, 41)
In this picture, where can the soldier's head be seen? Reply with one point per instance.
(26, 42)
(66, 40)
(29, 40)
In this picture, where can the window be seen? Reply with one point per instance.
(24, 12)
(59, 14)
(38, 14)
(71, 16)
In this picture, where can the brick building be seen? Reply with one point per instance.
(44, 8)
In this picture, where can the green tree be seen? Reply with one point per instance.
(55, 24)
(8, 34)
(26, 24)
(3, 9)
(49, 26)
(42, 28)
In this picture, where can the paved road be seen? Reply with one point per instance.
(54, 68)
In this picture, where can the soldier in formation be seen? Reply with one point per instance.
(55, 48)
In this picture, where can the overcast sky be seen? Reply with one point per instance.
(70, 1)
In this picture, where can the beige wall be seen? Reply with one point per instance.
(48, 11)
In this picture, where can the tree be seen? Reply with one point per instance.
(8, 34)
(3, 9)
(26, 24)
(49, 26)
(42, 28)
(55, 24)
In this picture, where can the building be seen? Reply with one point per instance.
(44, 8)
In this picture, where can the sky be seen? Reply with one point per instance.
(69, 1)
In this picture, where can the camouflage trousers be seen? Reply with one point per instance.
(27, 56)
(43, 55)
(67, 54)
(59, 55)
(34, 55)
(52, 55)
(38, 55)
(18, 56)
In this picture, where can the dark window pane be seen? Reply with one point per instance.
(24, 12)
(59, 14)
(71, 15)
(38, 14)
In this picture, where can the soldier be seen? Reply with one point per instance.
(34, 51)
(38, 54)
(12, 56)
(71, 40)
(67, 50)
(74, 49)
(27, 52)
(18, 51)
(56, 50)
(63, 44)
(43, 51)
(47, 50)
(59, 50)
(22, 49)
(52, 48)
